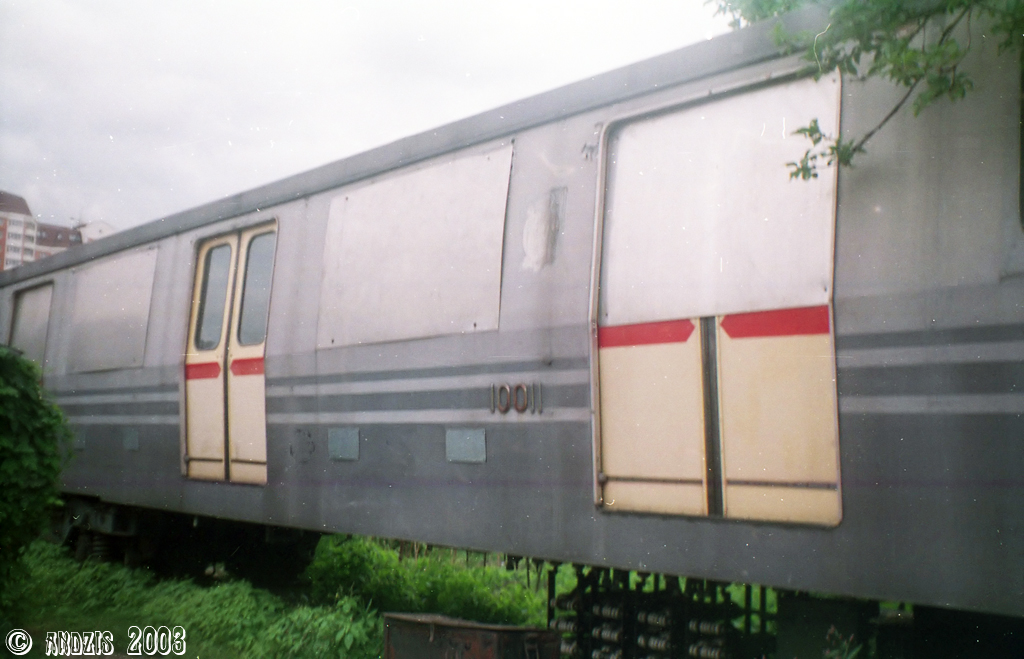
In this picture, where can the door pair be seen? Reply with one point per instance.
(225, 389)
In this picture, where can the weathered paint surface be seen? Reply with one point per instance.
(927, 326)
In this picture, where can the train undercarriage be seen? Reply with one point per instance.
(606, 614)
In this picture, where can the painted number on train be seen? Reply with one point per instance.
(521, 398)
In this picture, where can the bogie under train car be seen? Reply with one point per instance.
(598, 326)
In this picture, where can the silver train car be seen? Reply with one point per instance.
(600, 325)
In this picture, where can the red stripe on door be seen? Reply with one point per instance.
(667, 331)
(252, 366)
(202, 371)
(778, 322)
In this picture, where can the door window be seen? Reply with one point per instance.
(214, 296)
(259, 265)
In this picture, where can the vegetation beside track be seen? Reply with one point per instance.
(349, 582)
(230, 619)
(33, 440)
(441, 580)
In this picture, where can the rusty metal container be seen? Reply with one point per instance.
(424, 636)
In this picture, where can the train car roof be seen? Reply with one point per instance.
(724, 53)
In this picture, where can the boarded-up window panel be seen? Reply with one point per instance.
(31, 321)
(111, 312)
(701, 218)
(417, 254)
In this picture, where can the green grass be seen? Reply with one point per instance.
(226, 620)
(349, 581)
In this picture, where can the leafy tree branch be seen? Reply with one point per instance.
(911, 43)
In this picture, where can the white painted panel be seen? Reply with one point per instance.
(111, 312)
(701, 218)
(31, 321)
(417, 254)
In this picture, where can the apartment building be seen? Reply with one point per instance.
(23, 239)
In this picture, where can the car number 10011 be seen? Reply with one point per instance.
(156, 641)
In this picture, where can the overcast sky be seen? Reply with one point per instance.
(127, 111)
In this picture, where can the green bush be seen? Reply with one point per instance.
(371, 571)
(484, 594)
(361, 568)
(345, 630)
(33, 436)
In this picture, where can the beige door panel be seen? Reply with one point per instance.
(246, 408)
(777, 407)
(654, 497)
(783, 504)
(652, 420)
(778, 402)
(204, 358)
(652, 411)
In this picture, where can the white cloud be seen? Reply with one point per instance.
(125, 112)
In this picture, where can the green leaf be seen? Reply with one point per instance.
(920, 46)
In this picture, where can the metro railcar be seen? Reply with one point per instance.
(600, 325)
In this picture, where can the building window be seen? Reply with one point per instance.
(27, 252)
(13, 236)
(13, 249)
(15, 223)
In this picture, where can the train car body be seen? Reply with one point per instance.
(599, 325)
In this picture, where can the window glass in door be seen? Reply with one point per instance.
(259, 266)
(213, 299)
